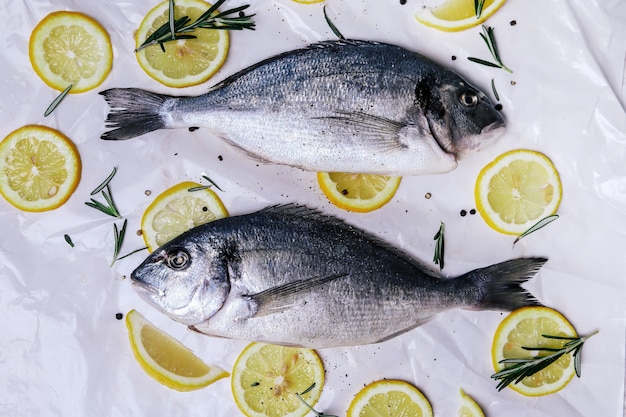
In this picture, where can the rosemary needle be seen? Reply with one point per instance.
(541, 223)
(332, 26)
(105, 182)
(317, 413)
(204, 187)
(478, 7)
(57, 101)
(68, 239)
(495, 92)
(132, 253)
(439, 247)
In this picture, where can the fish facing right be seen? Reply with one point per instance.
(335, 106)
(290, 275)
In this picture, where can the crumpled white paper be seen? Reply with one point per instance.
(62, 351)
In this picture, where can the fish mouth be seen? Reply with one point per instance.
(493, 127)
(486, 137)
(145, 288)
(491, 132)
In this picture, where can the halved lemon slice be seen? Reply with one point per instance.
(358, 192)
(456, 15)
(177, 210)
(266, 379)
(165, 359)
(516, 190)
(469, 407)
(524, 328)
(185, 62)
(70, 48)
(40, 168)
(389, 398)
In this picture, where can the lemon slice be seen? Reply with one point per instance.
(516, 190)
(177, 210)
(266, 379)
(358, 192)
(456, 15)
(70, 48)
(389, 398)
(165, 359)
(185, 62)
(40, 168)
(469, 407)
(525, 327)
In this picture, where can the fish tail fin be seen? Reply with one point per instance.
(499, 286)
(134, 112)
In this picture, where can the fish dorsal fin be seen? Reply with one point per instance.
(303, 212)
(319, 45)
(276, 299)
(297, 211)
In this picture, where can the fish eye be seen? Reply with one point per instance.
(468, 99)
(177, 259)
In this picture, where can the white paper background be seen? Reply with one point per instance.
(63, 353)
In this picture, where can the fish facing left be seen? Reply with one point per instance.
(335, 106)
(290, 275)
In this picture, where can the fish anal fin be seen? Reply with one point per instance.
(279, 298)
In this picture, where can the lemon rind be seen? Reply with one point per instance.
(427, 18)
(328, 188)
(207, 195)
(41, 66)
(361, 399)
(135, 322)
(481, 190)
(74, 166)
(158, 75)
(240, 365)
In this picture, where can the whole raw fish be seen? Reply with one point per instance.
(291, 275)
(346, 106)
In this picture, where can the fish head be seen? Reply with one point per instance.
(463, 119)
(186, 280)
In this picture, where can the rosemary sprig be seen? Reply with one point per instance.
(110, 209)
(478, 7)
(332, 26)
(541, 223)
(490, 39)
(439, 247)
(317, 413)
(57, 100)
(522, 368)
(181, 28)
(204, 187)
(68, 239)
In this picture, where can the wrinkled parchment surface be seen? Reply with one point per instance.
(62, 351)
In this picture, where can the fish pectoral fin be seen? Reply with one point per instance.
(369, 126)
(280, 298)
